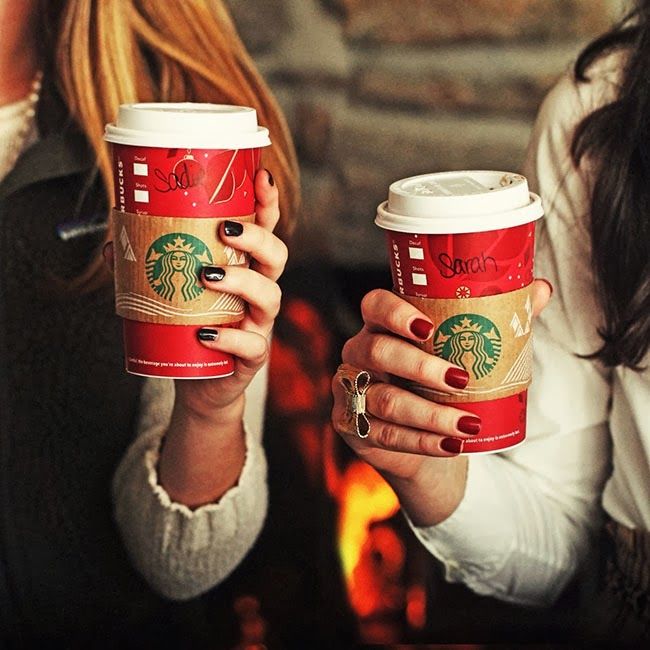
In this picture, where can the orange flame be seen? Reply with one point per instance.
(364, 499)
(372, 552)
(367, 499)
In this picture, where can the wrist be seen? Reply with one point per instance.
(432, 493)
(430, 472)
(193, 410)
(203, 452)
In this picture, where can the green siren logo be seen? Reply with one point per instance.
(173, 265)
(470, 341)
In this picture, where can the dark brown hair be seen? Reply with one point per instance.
(617, 138)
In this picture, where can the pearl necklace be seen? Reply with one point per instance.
(28, 117)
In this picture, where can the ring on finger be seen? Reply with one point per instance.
(355, 382)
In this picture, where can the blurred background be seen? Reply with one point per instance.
(374, 91)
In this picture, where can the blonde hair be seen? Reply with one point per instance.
(109, 52)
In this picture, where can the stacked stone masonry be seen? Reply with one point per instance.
(376, 90)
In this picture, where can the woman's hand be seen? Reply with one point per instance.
(204, 447)
(249, 343)
(410, 435)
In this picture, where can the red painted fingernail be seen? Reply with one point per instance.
(421, 328)
(469, 424)
(452, 445)
(456, 378)
(548, 284)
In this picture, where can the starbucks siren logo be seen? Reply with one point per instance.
(173, 264)
(470, 341)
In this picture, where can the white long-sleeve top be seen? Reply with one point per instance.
(527, 516)
(181, 552)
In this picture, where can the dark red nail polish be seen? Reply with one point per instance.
(421, 328)
(452, 445)
(456, 378)
(271, 180)
(207, 334)
(469, 424)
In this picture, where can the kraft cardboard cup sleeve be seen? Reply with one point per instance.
(461, 248)
(179, 170)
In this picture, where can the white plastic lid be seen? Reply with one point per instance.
(187, 125)
(457, 202)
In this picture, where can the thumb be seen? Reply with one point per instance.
(542, 292)
(108, 253)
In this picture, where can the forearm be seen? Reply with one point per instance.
(184, 551)
(434, 493)
(203, 453)
(510, 538)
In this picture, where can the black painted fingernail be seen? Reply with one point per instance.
(207, 334)
(233, 228)
(213, 273)
(271, 180)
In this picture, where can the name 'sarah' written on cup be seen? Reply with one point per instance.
(452, 266)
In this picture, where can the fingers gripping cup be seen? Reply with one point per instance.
(461, 248)
(179, 170)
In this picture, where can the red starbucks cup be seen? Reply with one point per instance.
(461, 249)
(179, 170)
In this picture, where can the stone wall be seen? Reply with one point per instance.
(376, 90)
